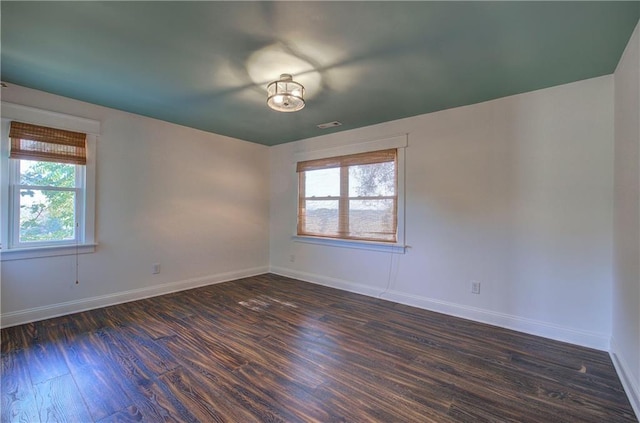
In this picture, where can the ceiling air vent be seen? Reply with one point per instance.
(329, 124)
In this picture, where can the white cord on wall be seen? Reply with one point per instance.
(392, 275)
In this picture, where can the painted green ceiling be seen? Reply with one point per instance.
(206, 64)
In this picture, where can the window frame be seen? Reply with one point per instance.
(399, 142)
(14, 205)
(344, 198)
(85, 241)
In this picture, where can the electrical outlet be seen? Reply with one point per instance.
(475, 287)
(155, 268)
(292, 258)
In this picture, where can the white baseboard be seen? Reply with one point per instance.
(326, 281)
(55, 310)
(631, 386)
(599, 341)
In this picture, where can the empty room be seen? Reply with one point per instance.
(283, 211)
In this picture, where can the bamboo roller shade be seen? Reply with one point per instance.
(34, 142)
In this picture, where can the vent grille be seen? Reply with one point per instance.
(329, 124)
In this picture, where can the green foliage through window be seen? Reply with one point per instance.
(47, 201)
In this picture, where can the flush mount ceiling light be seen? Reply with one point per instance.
(285, 94)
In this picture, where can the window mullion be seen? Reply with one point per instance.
(375, 197)
(343, 206)
(45, 188)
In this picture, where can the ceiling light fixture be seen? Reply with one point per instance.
(285, 94)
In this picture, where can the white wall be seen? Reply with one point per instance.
(195, 202)
(516, 193)
(625, 340)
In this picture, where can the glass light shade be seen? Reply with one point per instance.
(285, 94)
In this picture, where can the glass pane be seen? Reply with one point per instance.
(47, 215)
(47, 174)
(372, 219)
(322, 183)
(372, 180)
(321, 217)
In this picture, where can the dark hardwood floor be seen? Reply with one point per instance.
(270, 349)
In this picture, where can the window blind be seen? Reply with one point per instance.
(372, 157)
(33, 142)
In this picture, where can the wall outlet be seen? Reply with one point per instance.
(292, 258)
(155, 268)
(475, 287)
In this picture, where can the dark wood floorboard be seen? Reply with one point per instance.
(274, 349)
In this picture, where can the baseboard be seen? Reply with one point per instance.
(55, 310)
(326, 281)
(583, 338)
(588, 339)
(534, 327)
(631, 387)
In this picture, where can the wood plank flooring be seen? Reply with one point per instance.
(273, 349)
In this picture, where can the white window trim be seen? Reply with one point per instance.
(35, 116)
(386, 247)
(397, 141)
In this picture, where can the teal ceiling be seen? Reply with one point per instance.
(206, 64)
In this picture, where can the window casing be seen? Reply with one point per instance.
(350, 197)
(72, 184)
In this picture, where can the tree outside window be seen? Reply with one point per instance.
(47, 196)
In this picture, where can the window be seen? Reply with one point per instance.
(47, 184)
(47, 200)
(351, 197)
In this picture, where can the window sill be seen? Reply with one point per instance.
(349, 243)
(46, 251)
